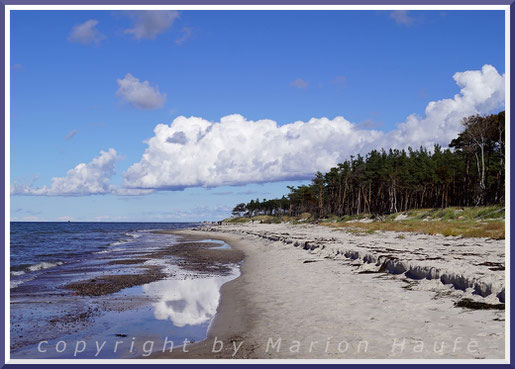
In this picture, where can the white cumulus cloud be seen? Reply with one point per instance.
(84, 179)
(195, 152)
(482, 91)
(150, 23)
(86, 33)
(140, 94)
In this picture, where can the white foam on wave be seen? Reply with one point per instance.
(43, 265)
(16, 283)
(132, 234)
(119, 242)
(31, 268)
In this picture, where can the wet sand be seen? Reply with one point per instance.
(302, 302)
(201, 257)
(108, 284)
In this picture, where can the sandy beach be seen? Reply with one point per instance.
(309, 291)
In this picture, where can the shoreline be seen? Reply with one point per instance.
(168, 287)
(297, 302)
(232, 318)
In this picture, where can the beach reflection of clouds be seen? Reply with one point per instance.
(187, 302)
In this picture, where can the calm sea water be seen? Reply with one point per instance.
(36, 246)
(47, 256)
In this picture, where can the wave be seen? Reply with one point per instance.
(16, 283)
(34, 267)
(133, 234)
(31, 268)
(130, 236)
(119, 242)
(43, 265)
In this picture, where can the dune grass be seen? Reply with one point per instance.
(495, 230)
(271, 219)
(455, 213)
(485, 221)
(465, 222)
(236, 220)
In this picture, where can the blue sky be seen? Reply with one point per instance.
(373, 68)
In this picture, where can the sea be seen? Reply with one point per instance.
(48, 321)
(36, 246)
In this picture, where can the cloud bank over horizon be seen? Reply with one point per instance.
(194, 152)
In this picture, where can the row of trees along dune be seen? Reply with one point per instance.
(471, 172)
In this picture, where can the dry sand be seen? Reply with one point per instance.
(352, 296)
